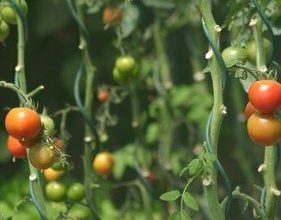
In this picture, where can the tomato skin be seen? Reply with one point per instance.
(80, 212)
(52, 175)
(16, 148)
(103, 163)
(264, 129)
(76, 192)
(249, 110)
(42, 156)
(112, 16)
(4, 31)
(251, 50)
(23, 123)
(233, 55)
(103, 95)
(55, 191)
(265, 95)
(48, 125)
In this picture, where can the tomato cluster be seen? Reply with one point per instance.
(27, 129)
(9, 17)
(125, 69)
(263, 127)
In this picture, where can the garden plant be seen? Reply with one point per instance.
(140, 109)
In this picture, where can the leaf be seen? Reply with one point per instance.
(195, 166)
(174, 216)
(130, 19)
(183, 171)
(190, 201)
(170, 196)
(152, 133)
(210, 157)
(183, 216)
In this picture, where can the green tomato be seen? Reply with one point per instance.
(251, 50)
(48, 125)
(80, 212)
(4, 30)
(125, 64)
(76, 192)
(55, 191)
(9, 15)
(234, 55)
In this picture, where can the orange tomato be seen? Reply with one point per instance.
(51, 175)
(103, 163)
(16, 148)
(23, 123)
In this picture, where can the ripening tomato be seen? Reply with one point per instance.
(51, 175)
(9, 15)
(43, 156)
(55, 191)
(265, 95)
(112, 16)
(16, 148)
(4, 30)
(23, 123)
(249, 110)
(103, 95)
(48, 125)
(234, 55)
(103, 163)
(264, 129)
(252, 53)
(76, 192)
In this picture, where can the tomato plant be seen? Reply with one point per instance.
(265, 95)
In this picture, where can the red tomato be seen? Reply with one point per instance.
(249, 110)
(265, 95)
(112, 16)
(23, 123)
(264, 129)
(103, 95)
(16, 148)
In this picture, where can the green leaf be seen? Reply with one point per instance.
(152, 133)
(170, 196)
(210, 157)
(190, 201)
(183, 216)
(174, 216)
(195, 166)
(130, 20)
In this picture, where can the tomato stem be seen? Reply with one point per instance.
(34, 178)
(88, 105)
(217, 213)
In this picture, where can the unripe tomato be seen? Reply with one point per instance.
(249, 110)
(80, 212)
(103, 163)
(42, 156)
(264, 129)
(48, 125)
(103, 95)
(51, 175)
(234, 55)
(9, 15)
(4, 30)
(76, 192)
(23, 123)
(265, 95)
(252, 52)
(112, 16)
(55, 191)
(16, 148)
(125, 64)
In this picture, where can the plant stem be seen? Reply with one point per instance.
(36, 188)
(216, 74)
(89, 138)
(270, 151)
